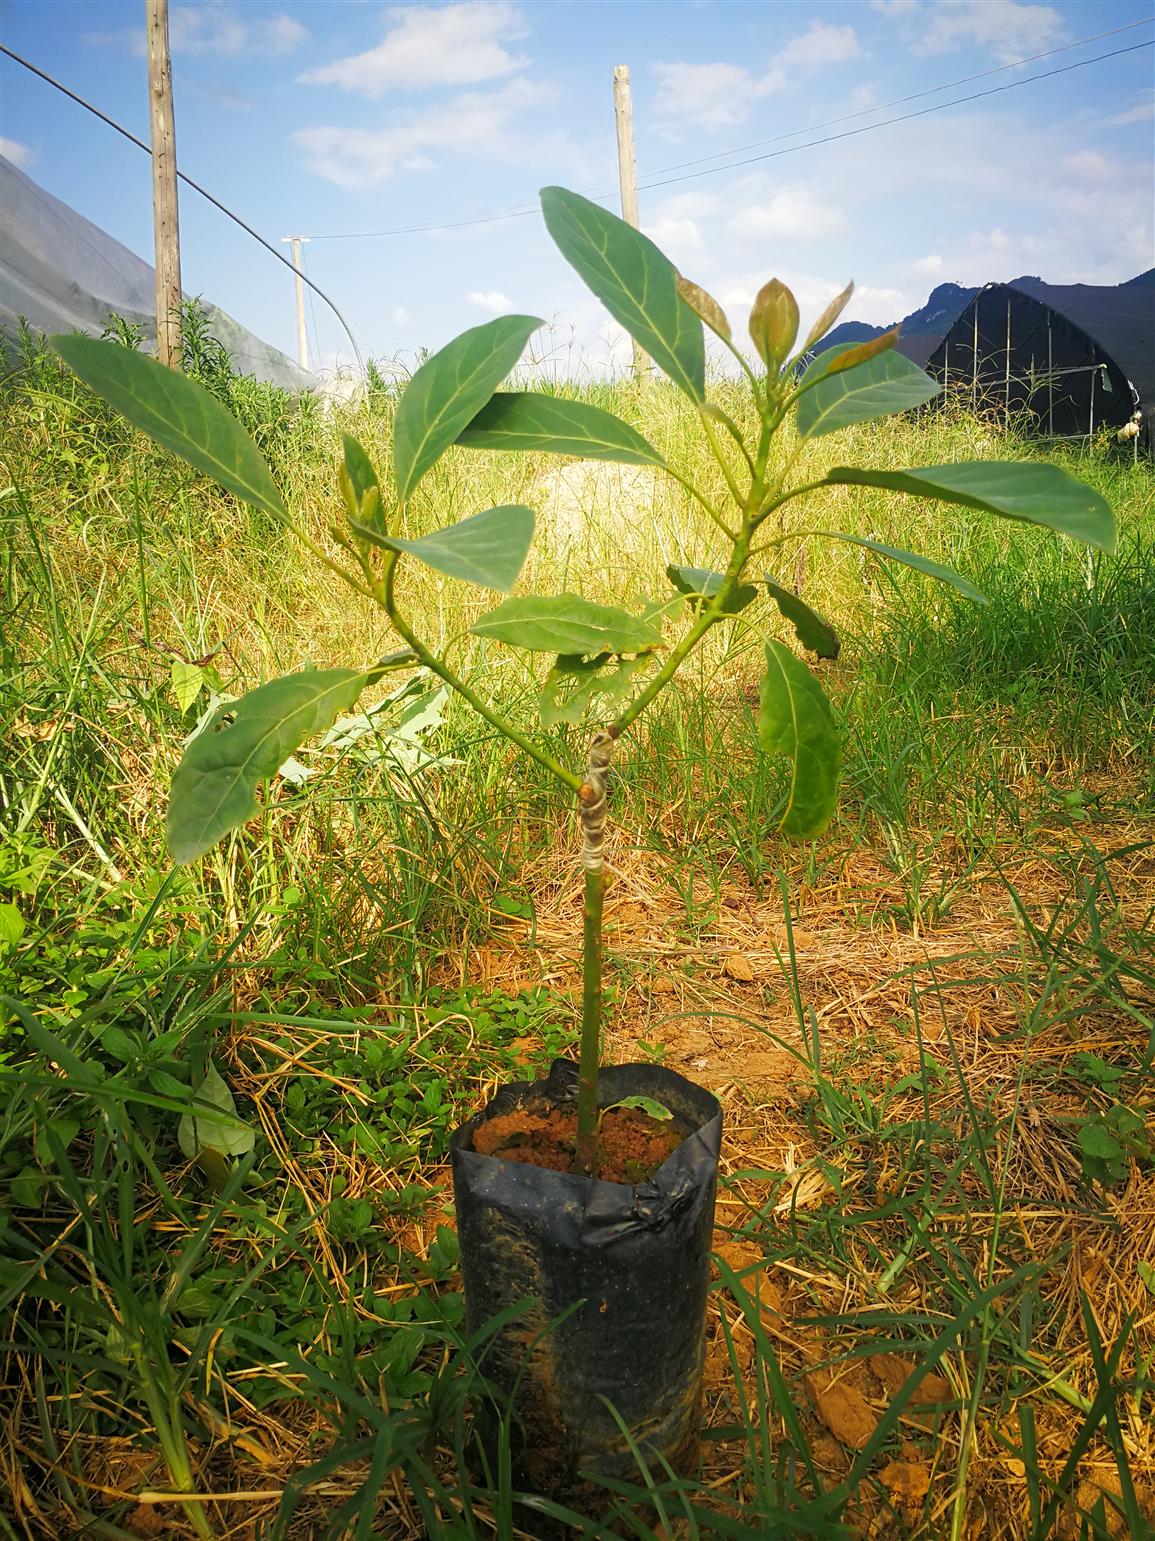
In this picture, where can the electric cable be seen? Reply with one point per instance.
(196, 187)
(522, 211)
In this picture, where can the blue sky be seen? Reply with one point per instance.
(334, 117)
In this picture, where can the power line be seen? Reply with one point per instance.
(901, 101)
(522, 211)
(196, 187)
(905, 117)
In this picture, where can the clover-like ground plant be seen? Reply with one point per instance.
(607, 663)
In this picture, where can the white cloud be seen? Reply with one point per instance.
(19, 154)
(400, 316)
(680, 239)
(1004, 27)
(820, 45)
(1142, 112)
(492, 301)
(675, 225)
(475, 123)
(215, 30)
(717, 95)
(877, 305)
(929, 265)
(711, 95)
(791, 214)
(453, 45)
(1089, 168)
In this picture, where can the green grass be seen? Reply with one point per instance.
(295, 1326)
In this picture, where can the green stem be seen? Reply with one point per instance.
(709, 615)
(166, 1417)
(586, 1151)
(444, 673)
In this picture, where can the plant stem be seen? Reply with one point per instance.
(592, 801)
(444, 673)
(586, 1147)
(708, 616)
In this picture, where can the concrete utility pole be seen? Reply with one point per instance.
(628, 174)
(165, 218)
(302, 341)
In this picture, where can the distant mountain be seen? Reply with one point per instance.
(938, 315)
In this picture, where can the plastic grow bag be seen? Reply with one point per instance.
(635, 1257)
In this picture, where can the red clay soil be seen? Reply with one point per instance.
(631, 1144)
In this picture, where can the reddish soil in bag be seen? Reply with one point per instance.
(631, 1144)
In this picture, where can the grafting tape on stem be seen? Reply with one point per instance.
(593, 801)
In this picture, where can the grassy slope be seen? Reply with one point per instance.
(338, 959)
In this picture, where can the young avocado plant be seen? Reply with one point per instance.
(604, 658)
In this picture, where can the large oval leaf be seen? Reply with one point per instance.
(489, 548)
(220, 1131)
(449, 390)
(795, 720)
(568, 625)
(177, 413)
(812, 631)
(637, 283)
(1035, 492)
(527, 420)
(880, 386)
(213, 789)
(922, 564)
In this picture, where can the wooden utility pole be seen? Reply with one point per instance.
(302, 340)
(165, 219)
(628, 174)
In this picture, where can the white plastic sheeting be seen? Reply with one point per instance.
(62, 273)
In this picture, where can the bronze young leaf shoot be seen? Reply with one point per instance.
(603, 658)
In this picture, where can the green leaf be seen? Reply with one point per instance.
(12, 925)
(635, 281)
(489, 548)
(795, 720)
(813, 632)
(1097, 1140)
(1034, 492)
(527, 420)
(65, 1131)
(178, 414)
(213, 789)
(647, 1105)
(448, 392)
(187, 682)
(360, 487)
(1092, 1067)
(121, 1045)
(701, 584)
(200, 1132)
(856, 353)
(705, 306)
(566, 624)
(880, 386)
(573, 684)
(774, 323)
(922, 564)
(27, 1188)
(828, 317)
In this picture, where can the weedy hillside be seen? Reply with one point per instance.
(932, 1030)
